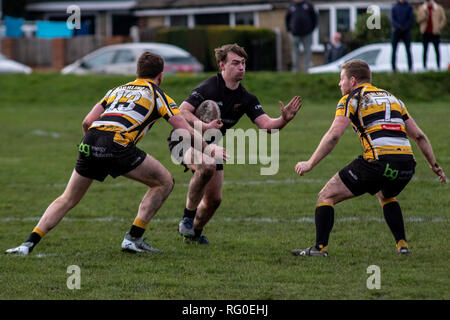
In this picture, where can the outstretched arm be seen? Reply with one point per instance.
(326, 145)
(419, 137)
(288, 113)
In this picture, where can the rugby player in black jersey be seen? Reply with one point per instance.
(205, 188)
(383, 125)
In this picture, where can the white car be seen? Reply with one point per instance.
(122, 59)
(11, 66)
(378, 56)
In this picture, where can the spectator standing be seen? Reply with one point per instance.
(301, 20)
(402, 17)
(431, 17)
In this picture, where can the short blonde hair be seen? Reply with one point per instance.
(358, 69)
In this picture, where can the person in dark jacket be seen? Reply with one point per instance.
(335, 49)
(301, 20)
(402, 17)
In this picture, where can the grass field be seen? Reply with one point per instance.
(260, 220)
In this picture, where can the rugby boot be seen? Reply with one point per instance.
(199, 240)
(133, 245)
(312, 251)
(402, 248)
(22, 250)
(186, 227)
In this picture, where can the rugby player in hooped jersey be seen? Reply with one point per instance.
(205, 188)
(383, 125)
(112, 129)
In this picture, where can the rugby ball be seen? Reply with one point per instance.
(208, 111)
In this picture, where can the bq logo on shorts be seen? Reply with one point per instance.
(390, 173)
(84, 148)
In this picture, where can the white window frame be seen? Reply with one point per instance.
(353, 6)
(191, 12)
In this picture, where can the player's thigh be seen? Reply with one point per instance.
(334, 191)
(151, 172)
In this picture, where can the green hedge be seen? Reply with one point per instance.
(269, 87)
(201, 42)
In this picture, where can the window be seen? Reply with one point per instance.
(212, 19)
(124, 56)
(324, 25)
(121, 24)
(244, 18)
(343, 20)
(181, 21)
(361, 11)
(368, 56)
(99, 60)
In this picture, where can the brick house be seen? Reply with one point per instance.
(109, 18)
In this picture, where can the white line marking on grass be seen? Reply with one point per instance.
(45, 255)
(234, 220)
(241, 183)
(42, 133)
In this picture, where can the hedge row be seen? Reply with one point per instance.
(259, 43)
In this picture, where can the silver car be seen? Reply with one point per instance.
(378, 56)
(122, 59)
(11, 66)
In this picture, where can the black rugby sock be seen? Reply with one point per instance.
(138, 228)
(324, 219)
(394, 218)
(34, 238)
(189, 213)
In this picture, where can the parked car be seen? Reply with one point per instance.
(122, 59)
(378, 56)
(11, 66)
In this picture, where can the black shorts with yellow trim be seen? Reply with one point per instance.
(99, 156)
(389, 177)
(178, 153)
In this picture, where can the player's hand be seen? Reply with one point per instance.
(440, 173)
(217, 152)
(302, 167)
(215, 124)
(289, 111)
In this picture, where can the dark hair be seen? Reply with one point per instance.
(222, 52)
(358, 69)
(149, 65)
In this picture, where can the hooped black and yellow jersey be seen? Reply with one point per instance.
(378, 118)
(132, 109)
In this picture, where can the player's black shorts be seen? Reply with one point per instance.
(179, 156)
(99, 156)
(362, 176)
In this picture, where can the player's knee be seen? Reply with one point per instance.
(321, 195)
(207, 170)
(169, 184)
(324, 196)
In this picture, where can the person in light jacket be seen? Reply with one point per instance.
(431, 18)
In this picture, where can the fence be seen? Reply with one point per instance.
(54, 53)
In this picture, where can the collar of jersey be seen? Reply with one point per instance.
(146, 80)
(366, 84)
